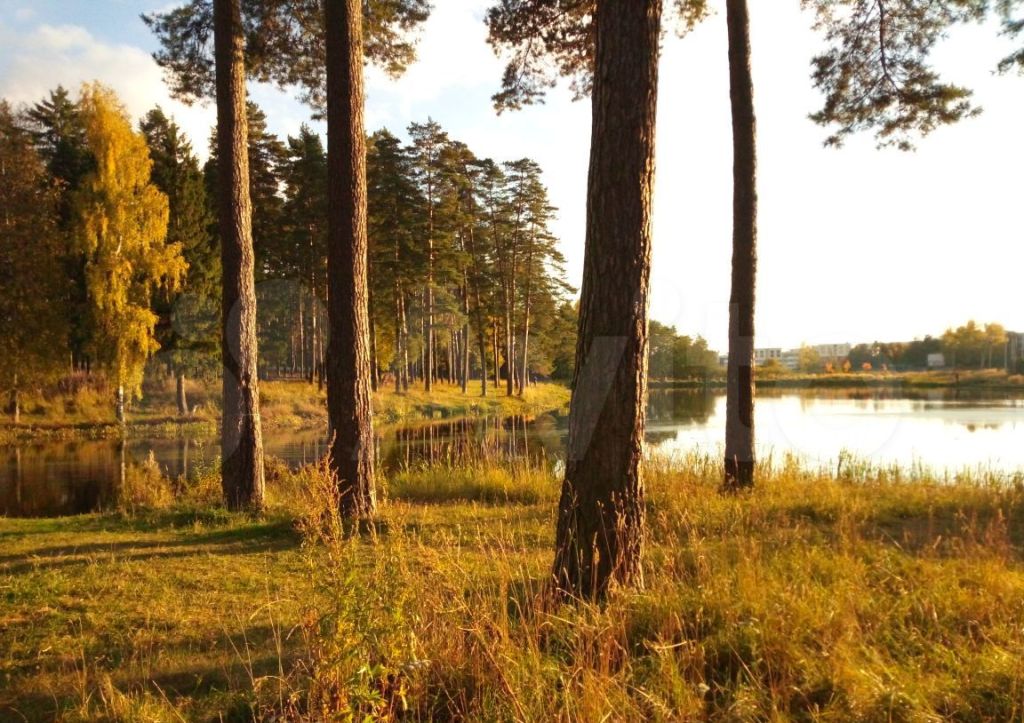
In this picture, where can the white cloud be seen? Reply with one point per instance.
(36, 62)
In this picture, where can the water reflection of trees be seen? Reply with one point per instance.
(64, 478)
(680, 407)
(471, 441)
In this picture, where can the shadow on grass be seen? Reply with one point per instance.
(259, 537)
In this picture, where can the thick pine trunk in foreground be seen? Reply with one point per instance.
(348, 359)
(242, 475)
(600, 531)
(739, 414)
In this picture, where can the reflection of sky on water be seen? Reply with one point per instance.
(941, 434)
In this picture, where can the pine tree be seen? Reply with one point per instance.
(876, 73)
(739, 416)
(396, 259)
(185, 331)
(348, 359)
(242, 474)
(301, 250)
(31, 244)
(56, 127)
(120, 224)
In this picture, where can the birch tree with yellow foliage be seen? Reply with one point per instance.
(120, 224)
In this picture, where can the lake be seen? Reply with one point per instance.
(939, 429)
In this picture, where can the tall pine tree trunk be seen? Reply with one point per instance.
(348, 363)
(739, 408)
(242, 474)
(600, 533)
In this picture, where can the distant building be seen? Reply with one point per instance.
(832, 352)
(936, 360)
(763, 356)
(1014, 350)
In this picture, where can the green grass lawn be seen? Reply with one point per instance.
(873, 597)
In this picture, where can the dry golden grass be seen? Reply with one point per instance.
(875, 597)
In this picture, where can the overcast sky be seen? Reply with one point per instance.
(855, 244)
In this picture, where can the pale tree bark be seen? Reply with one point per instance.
(600, 533)
(242, 475)
(739, 408)
(348, 362)
(119, 404)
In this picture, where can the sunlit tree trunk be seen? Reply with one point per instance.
(242, 474)
(600, 532)
(348, 369)
(739, 414)
(119, 404)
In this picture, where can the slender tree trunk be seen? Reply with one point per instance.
(348, 391)
(242, 475)
(119, 404)
(494, 346)
(600, 533)
(482, 337)
(302, 333)
(181, 396)
(406, 368)
(373, 350)
(739, 413)
(313, 340)
(397, 365)
(465, 334)
(15, 402)
(510, 346)
(524, 373)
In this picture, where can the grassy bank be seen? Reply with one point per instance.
(977, 380)
(874, 597)
(88, 410)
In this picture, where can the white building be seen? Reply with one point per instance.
(936, 360)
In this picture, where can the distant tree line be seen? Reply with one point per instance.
(970, 346)
(466, 280)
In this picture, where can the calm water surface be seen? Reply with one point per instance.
(938, 429)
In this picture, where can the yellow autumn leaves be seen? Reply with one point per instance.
(120, 226)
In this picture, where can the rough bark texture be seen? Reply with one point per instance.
(241, 438)
(348, 360)
(601, 512)
(739, 415)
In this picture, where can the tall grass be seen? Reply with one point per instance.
(857, 594)
(811, 598)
